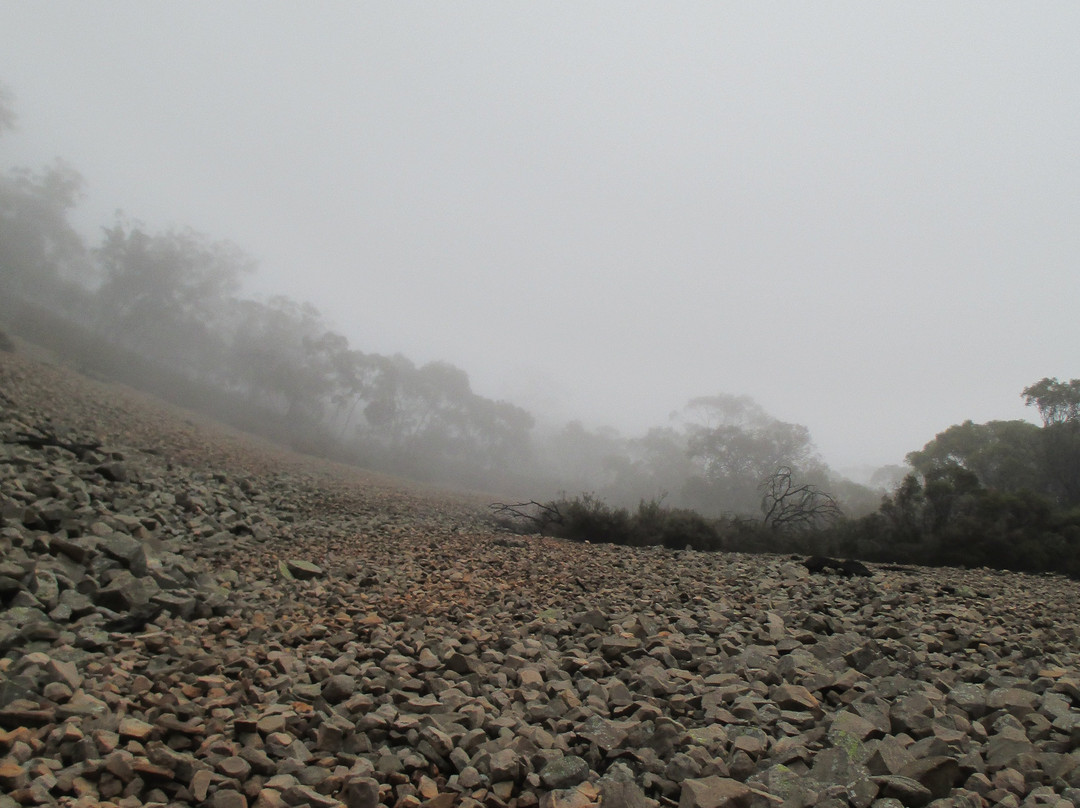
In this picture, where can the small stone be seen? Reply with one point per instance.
(134, 729)
(469, 777)
(853, 725)
(564, 772)
(795, 697)
(618, 787)
(269, 798)
(12, 775)
(338, 688)
(361, 792)
(200, 784)
(304, 570)
(912, 714)
(305, 795)
(128, 551)
(235, 767)
(939, 774)
(910, 792)
(504, 766)
(66, 672)
(715, 792)
(445, 800)
(226, 798)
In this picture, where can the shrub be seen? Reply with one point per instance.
(675, 528)
(951, 520)
(588, 518)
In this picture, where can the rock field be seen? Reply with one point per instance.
(192, 617)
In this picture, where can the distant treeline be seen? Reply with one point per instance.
(1005, 494)
(164, 312)
(1001, 494)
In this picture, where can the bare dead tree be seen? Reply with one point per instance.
(789, 507)
(526, 517)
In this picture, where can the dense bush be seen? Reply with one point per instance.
(948, 519)
(586, 517)
(951, 519)
(676, 528)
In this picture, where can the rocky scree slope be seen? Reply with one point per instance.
(190, 618)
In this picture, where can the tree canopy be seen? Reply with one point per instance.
(1058, 402)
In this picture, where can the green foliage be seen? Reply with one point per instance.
(675, 528)
(1058, 402)
(587, 517)
(1002, 454)
(952, 519)
(1005, 494)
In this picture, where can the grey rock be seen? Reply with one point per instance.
(606, 734)
(125, 591)
(228, 799)
(304, 570)
(888, 757)
(836, 766)
(794, 789)
(912, 714)
(715, 792)
(128, 551)
(938, 774)
(564, 772)
(971, 698)
(504, 765)
(338, 688)
(909, 792)
(618, 788)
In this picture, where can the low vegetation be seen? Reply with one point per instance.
(1003, 495)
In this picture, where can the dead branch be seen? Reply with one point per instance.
(787, 507)
(526, 517)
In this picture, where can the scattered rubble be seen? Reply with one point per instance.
(191, 619)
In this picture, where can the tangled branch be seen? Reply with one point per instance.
(526, 517)
(790, 507)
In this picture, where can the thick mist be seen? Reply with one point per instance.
(533, 252)
(861, 216)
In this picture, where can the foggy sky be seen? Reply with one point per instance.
(863, 215)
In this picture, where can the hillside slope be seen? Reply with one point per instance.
(194, 617)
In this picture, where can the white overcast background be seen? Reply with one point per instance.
(863, 215)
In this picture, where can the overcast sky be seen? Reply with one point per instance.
(863, 215)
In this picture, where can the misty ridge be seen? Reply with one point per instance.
(164, 312)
